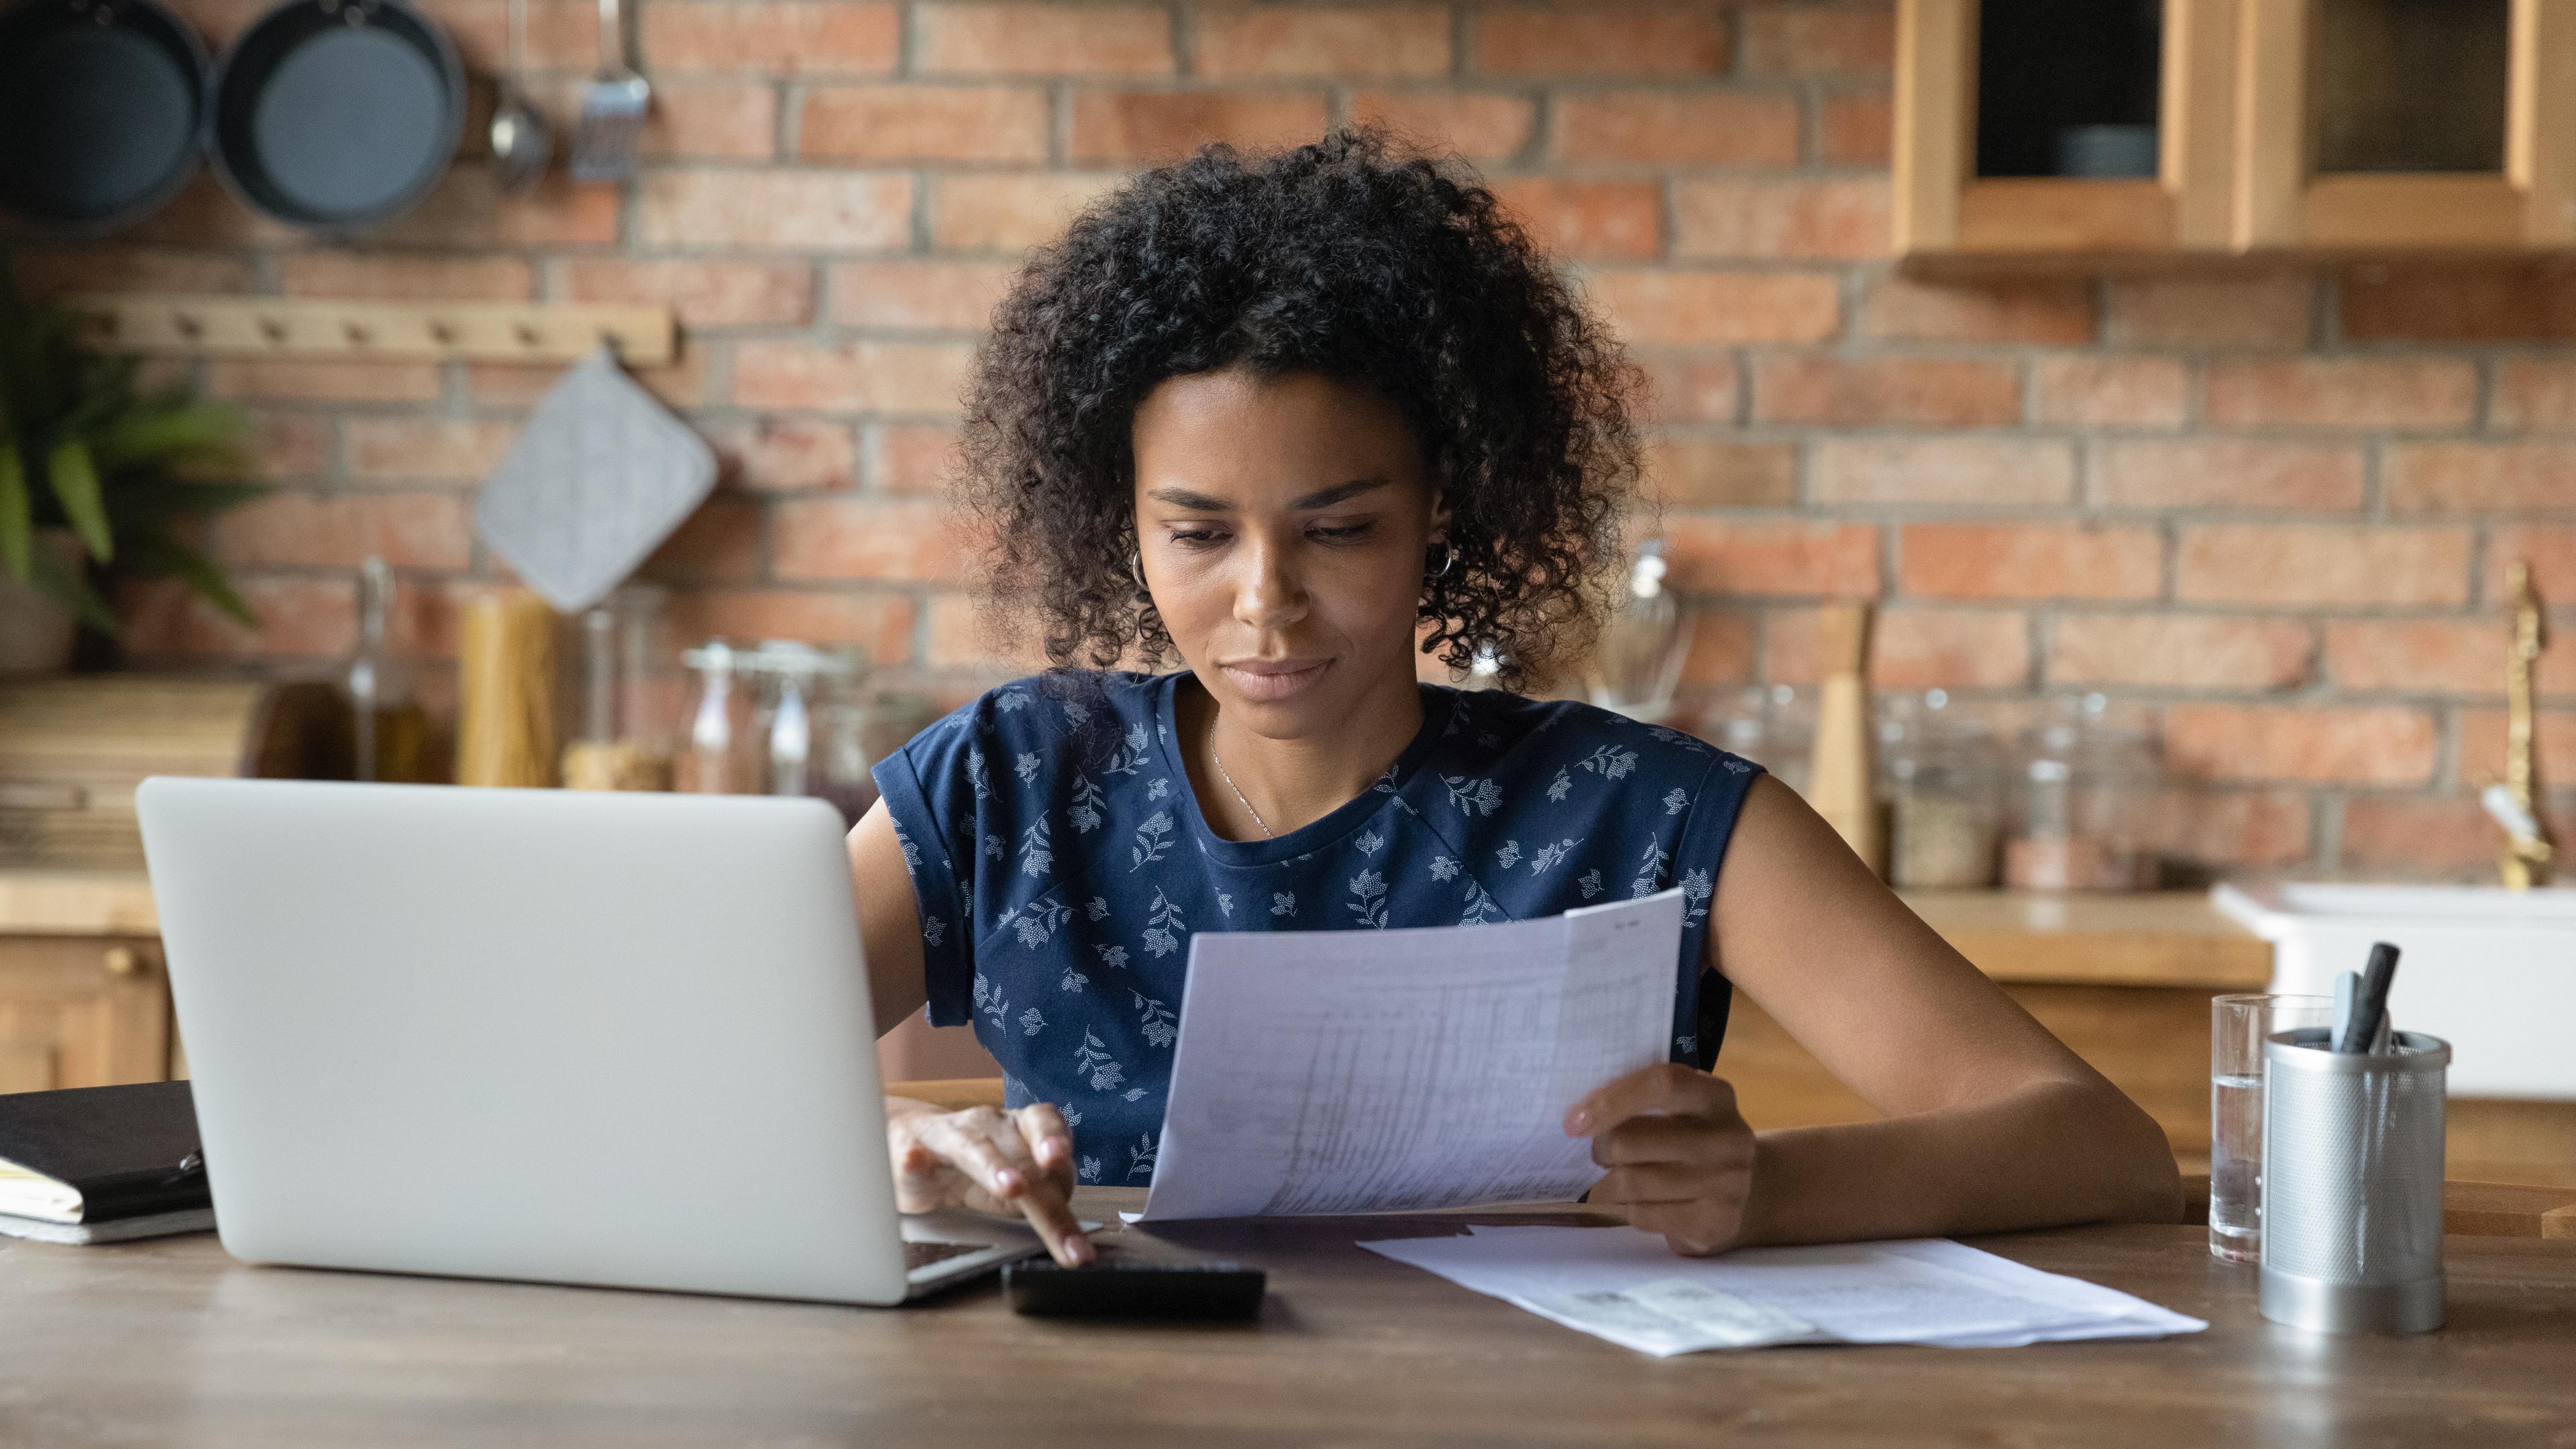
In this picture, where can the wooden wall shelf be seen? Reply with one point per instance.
(532, 332)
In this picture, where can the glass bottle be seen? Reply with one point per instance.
(391, 728)
(1643, 644)
(620, 744)
(712, 761)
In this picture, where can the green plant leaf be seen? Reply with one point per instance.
(106, 389)
(17, 514)
(169, 556)
(63, 580)
(158, 433)
(75, 478)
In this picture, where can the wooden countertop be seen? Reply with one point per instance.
(171, 1341)
(2161, 938)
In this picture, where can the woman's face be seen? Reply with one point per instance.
(1283, 525)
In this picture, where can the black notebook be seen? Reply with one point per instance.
(82, 1161)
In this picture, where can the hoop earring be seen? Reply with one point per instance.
(1448, 563)
(1136, 571)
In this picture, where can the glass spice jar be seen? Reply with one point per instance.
(2080, 800)
(1940, 775)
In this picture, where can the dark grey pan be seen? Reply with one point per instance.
(102, 108)
(337, 113)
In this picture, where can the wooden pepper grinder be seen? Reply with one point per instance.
(1842, 778)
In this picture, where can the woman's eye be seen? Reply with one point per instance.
(1340, 533)
(1197, 537)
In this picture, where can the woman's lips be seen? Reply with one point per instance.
(1268, 680)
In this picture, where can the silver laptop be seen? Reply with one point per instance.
(537, 1034)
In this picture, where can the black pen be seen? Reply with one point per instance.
(2370, 1002)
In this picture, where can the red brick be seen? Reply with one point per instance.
(1915, 310)
(1651, 306)
(283, 379)
(45, 270)
(284, 446)
(1804, 39)
(910, 457)
(1839, 217)
(889, 539)
(1010, 212)
(1600, 39)
(2224, 827)
(299, 618)
(942, 295)
(783, 37)
(963, 634)
(2457, 304)
(379, 277)
(701, 293)
(720, 543)
(823, 210)
(1721, 650)
(293, 527)
(2092, 391)
(1886, 391)
(2290, 742)
(1949, 649)
(2231, 473)
(1703, 472)
(426, 449)
(1690, 387)
(2342, 392)
(1943, 470)
(720, 120)
(1620, 220)
(1771, 556)
(680, 383)
(1043, 39)
(2180, 651)
(1478, 127)
(2435, 656)
(1378, 40)
(204, 214)
(1687, 128)
(2428, 836)
(1134, 126)
(784, 455)
(469, 210)
(885, 377)
(1856, 128)
(2445, 477)
(2029, 561)
(2323, 564)
(2186, 311)
(880, 623)
(2482, 742)
(2534, 393)
(561, 36)
(890, 123)
(2551, 552)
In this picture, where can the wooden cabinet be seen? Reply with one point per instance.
(2102, 129)
(82, 1011)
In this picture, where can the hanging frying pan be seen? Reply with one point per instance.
(337, 113)
(102, 104)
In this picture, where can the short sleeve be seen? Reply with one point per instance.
(1697, 859)
(930, 788)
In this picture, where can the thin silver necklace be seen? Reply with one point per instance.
(1238, 791)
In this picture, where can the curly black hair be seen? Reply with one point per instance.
(1352, 258)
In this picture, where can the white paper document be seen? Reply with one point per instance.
(1630, 1288)
(1371, 1071)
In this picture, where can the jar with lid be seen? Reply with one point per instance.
(799, 687)
(2082, 801)
(1774, 726)
(1941, 777)
(625, 738)
(714, 757)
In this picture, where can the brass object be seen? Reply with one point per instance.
(2523, 863)
(121, 961)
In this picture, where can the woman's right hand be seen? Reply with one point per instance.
(992, 1161)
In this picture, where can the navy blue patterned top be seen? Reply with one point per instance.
(1060, 862)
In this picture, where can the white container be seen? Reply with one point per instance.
(2491, 971)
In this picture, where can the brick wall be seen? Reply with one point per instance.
(2273, 506)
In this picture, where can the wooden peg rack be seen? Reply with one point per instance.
(306, 327)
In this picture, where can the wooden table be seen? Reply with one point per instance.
(172, 1343)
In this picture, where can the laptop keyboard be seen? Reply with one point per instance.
(917, 1256)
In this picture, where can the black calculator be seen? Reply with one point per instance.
(1121, 1287)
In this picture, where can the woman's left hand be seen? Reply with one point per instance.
(1679, 1154)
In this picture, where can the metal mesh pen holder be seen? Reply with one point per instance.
(2352, 1184)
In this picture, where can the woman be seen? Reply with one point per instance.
(1295, 420)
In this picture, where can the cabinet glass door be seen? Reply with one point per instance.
(2411, 86)
(2068, 88)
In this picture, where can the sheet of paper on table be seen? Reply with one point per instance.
(1630, 1288)
(1372, 1071)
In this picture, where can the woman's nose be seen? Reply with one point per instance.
(1270, 595)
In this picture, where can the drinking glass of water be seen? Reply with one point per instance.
(2237, 1026)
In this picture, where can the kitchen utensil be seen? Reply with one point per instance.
(337, 113)
(597, 479)
(2352, 1183)
(522, 141)
(102, 104)
(505, 716)
(612, 108)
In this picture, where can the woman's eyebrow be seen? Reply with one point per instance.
(1338, 493)
(1182, 498)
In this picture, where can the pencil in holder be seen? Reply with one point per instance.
(2352, 1184)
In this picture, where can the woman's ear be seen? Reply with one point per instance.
(1439, 514)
